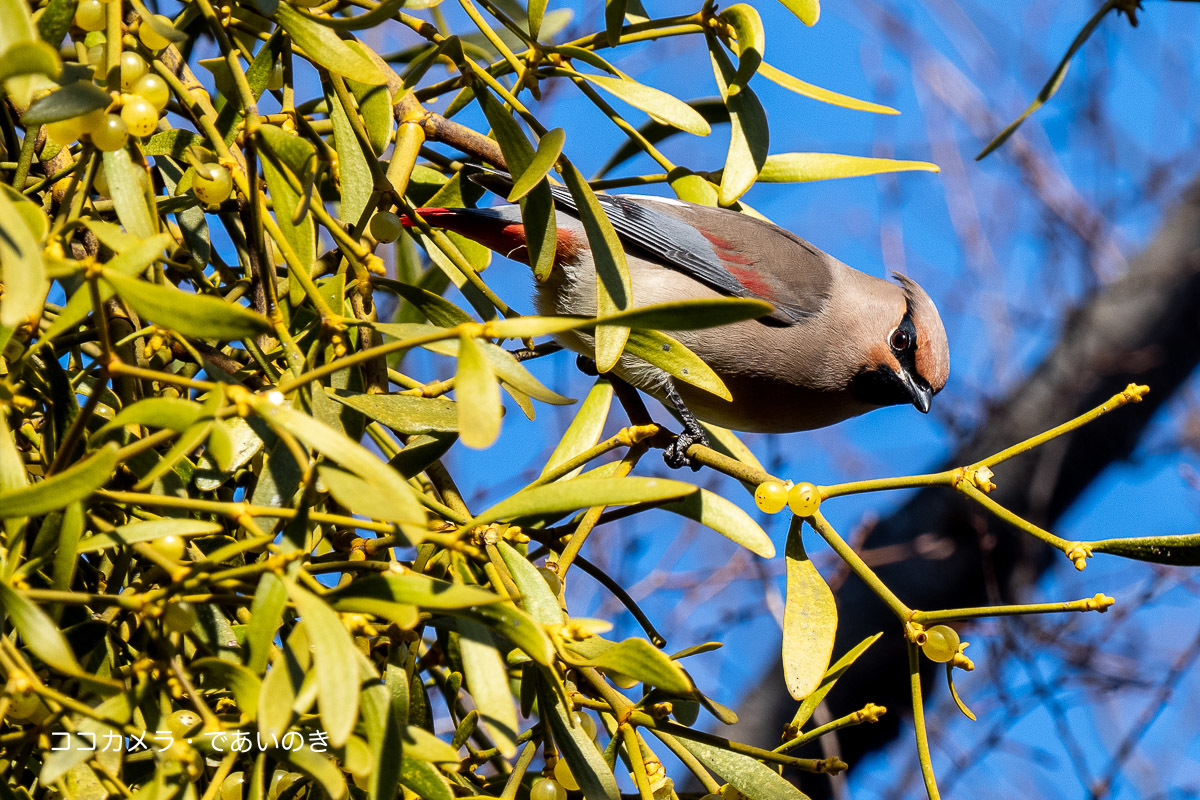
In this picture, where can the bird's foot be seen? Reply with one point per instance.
(676, 455)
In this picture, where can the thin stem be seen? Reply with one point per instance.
(914, 681)
(859, 567)
(1099, 603)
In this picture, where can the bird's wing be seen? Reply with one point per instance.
(732, 253)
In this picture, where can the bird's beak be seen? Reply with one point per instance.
(922, 395)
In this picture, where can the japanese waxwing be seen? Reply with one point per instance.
(839, 342)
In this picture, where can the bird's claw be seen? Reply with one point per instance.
(676, 454)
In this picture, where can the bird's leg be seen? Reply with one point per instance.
(587, 365)
(526, 353)
(676, 455)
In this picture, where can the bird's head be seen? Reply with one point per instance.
(908, 360)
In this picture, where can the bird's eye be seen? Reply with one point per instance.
(900, 340)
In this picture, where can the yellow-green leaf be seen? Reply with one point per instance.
(817, 93)
(809, 620)
(146, 532)
(676, 360)
(487, 681)
(548, 150)
(361, 498)
(198, 315)
(321, 768)
(407, 414)
(800, 167)
(613, 289)
(810, 703)
(584, 431)
(413, 588)
(30, 58)
(561, 496)
(594, 776)
(751, 42)
(726, 518)
(61, 490)
(660, 106)
(374, 105)
(749, 136)
(326, 48)
(748, 775)
(809, 11)
(539, 602)
(37, 629)
(72, 100)
(636, 658)
(477, 396)
(22, 269)
(132, 194)
(333, 658)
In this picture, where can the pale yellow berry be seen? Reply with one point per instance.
(90, 15)
(233, 786)
(183, 723)
(212, 183)
(100, 182)
(92, 120)
(140, 115)
(65, 131)
(585, 722)
(179, 617)
(152, 38)
(804, 499)
(110, 134)
(770, 496)
(133, 67)
(386, 227)
(97, 58)
(562, 774)
(547, 789)
(154, 89)
(941, 643)
(552, 580)
(169, 547)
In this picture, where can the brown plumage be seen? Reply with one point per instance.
(839, 343)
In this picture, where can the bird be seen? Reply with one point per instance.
(839, 342)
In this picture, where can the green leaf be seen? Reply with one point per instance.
(584, 431)
(517, 627)
(749, 136)
(16, 27)
(413, 588)
(22, 269)
(487, 681)
(13, 476)
(353, 456)
(636, 658)
(676, 360)
(174, 143)
(477, 396)
(197, 315)
(548, 150)
(810, 703)
(147, 532)
(424, 780)
(809, 11)
(266, 613)
(321, 768)
(301, 234)
(817, 93)
(682, 315)
(539, 602)
(537, 10)
(70, 101)
(30, 58)
(324, 47)
(613, 290)
(809, 619)
(132, 261)
(41, 635)
(435, 308)
(132, 194)
(1056, 78)
(750, 777)
(62, 489)
(1182, 550)
(407, 414)
(374, 105)
(660, 106)
(55, 21)
(562, 496)
(360, 497)
(714, 511)
(333, 658)
(751, 42)
(174, 413)
(800, 167)
(241, 682)
(595, 777)
(357, 182)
